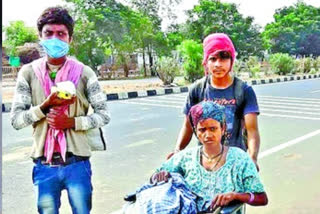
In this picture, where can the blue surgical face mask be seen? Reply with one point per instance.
(55, 48)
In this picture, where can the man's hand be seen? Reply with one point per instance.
(160, 176)
(184, 137)
(172, 153)
(222, 200)
(58, 120)
(251, 124)
(53, 101)
(255, 161)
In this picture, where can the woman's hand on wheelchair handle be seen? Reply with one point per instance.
(160, 176)
(223, 199)
(259, 199)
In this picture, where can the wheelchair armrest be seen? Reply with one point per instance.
(231, 208)
(131, 197)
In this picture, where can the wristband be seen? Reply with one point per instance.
(151, 181)
(251, 198)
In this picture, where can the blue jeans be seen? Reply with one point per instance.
(50, 181)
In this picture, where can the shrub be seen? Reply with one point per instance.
(167, 68)
(317, 63)
(253, 65)
(238, 66)
(255, 71)
(313, 71)
(297, 66)
(308, 64)
(191, 53)
(281, 63)
(305, 65)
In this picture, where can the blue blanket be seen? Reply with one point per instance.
(173, 197)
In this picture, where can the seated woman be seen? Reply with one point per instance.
(218, 174)
(213, 173)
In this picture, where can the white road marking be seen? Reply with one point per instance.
(26, 139)
(315, 91)
(287, 100)
(292, 98)
(291, 104)
(260, 100)
(139, 143)
(159, 101)
(148, 131)
(288, 144)
(171, 98)
(288, 111)
(289, 116)
(150, 104)
(288, 107)
(184, 95)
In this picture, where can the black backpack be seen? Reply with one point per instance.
(238, 89)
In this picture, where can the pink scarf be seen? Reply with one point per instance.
(70, 71)
(215, 43)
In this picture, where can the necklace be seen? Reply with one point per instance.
(218, 159)
(210, 159)
(53, 74)
(53, 70)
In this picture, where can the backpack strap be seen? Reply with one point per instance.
(239, 92)
(239, 96)
(203, 85)
(200, 86)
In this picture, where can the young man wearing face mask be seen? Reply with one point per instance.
(60, 148)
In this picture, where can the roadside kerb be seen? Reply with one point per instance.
(6, 107)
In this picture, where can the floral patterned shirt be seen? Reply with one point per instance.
(238, 174)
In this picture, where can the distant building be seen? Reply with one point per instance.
(5, 57)
(37, 46)
(30, 52)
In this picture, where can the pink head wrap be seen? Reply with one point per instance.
(215, 43)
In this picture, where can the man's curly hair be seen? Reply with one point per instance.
(56, 15)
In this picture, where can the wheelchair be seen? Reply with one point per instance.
(232, 208)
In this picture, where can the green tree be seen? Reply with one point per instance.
(212, 16)
(149, 8)
(175, 36)
(154, 10)
(98, 27)
(191, 53)
(141, 32)
(296, 31)
(87, 46)
(110, 28)
(17, 34)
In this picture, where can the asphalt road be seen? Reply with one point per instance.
(142, 131)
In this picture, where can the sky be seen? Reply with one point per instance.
(261, 10)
